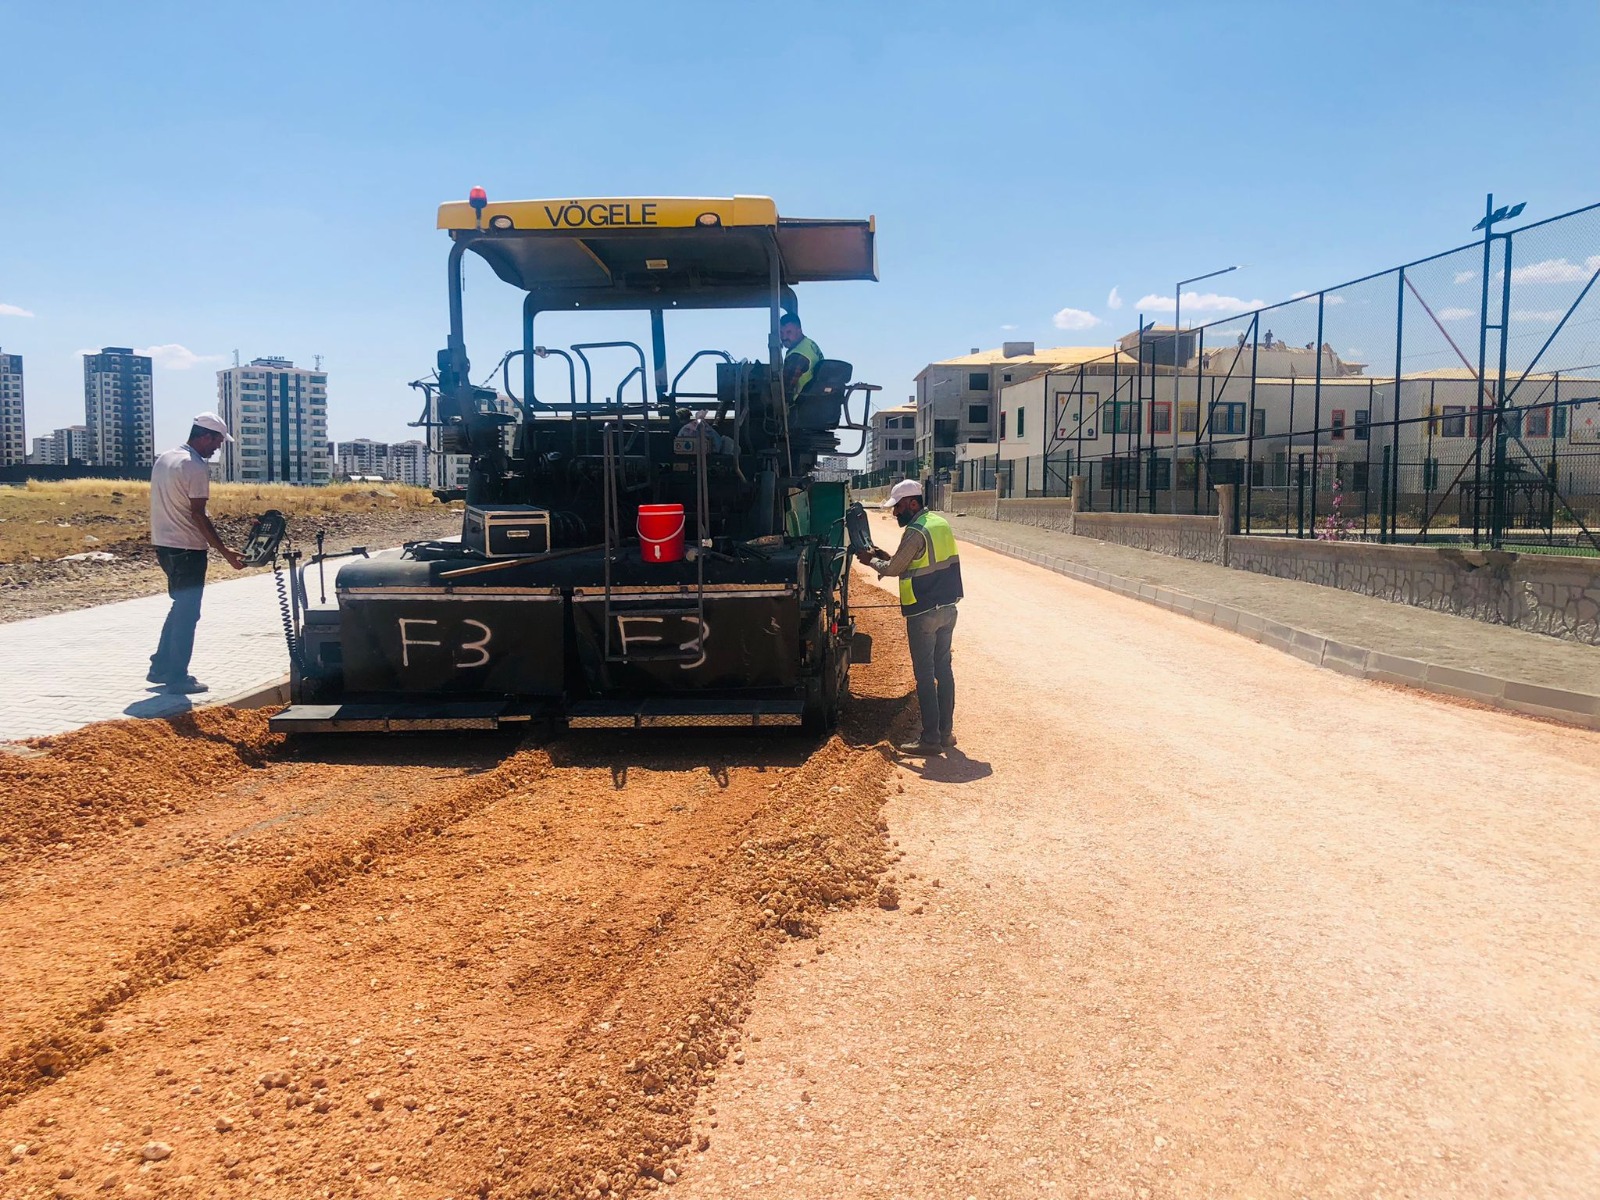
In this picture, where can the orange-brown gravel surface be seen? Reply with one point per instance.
(413, 967)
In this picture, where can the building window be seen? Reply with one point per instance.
(1537, 424)
(1188, 418)
(1124, 416)
(1455, 421)
(1358, 476)
(1021, 415)
(1160, 472)
(1430, 474)
(1227, 419)
(978, 381)
(1161, 416)
(1337, 425)
(1002, 424)
(1258, 423)
(1363, 425)
(1513, 419)
(977, 414)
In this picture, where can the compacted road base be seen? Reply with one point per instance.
(418, 967)
(1186, 917)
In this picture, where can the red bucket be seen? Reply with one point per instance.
(661, 532)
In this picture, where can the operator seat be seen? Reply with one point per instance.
(820, 405)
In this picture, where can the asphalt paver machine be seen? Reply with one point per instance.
(654, 557)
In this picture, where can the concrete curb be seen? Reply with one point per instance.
(1520, 696)
(260, 696)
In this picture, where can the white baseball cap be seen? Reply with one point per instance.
(906, 487)
(214, 423)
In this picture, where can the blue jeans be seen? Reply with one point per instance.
(186, 579)
(929, 635)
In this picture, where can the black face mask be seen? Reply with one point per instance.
(905, 517)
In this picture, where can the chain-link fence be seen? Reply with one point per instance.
(1453, 398)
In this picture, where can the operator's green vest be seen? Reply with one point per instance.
(812, 353)
(934, 577)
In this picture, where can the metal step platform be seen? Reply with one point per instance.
(661, 712)
(401, 717)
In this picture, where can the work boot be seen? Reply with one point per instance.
(948, 741)
(921, 748)
(186, 686)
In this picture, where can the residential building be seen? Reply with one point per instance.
(1171, 434)
(62, 448)
(119, 408)
(833, 469)
(407, 462)
(892, 445)
(13, 434)
(957, 398)
(363, 456)
(402, 462)
(279, 416)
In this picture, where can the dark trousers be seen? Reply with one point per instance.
(186, 580)
(929, 635)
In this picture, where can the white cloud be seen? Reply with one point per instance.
(1353, 353)
(1114, 300)
(1332, 299)
(1198, 302)
(1008, 328)
(1542, 315)
(1556, 270)
(1456, 314)
(1075, 318)
(1465, 276)
(173, 357)
(12, 310)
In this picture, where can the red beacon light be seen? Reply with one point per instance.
(479, 199)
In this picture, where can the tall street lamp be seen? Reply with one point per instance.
(1177, 342)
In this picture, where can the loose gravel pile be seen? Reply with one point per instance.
(464, 967)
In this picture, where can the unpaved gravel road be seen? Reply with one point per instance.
(1189, 918)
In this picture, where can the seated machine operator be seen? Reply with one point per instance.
(801, 356)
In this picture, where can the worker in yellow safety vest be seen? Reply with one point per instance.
(800, 358)
(929, 569)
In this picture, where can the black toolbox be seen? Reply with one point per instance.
(506, 530)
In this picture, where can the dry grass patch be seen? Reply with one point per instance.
(50, 520)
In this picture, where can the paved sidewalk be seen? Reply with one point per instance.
(70, 669)
(1344, 631)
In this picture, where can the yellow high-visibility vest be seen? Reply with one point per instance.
(934, 577)
(812, 353)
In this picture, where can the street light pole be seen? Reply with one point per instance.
(1177, 341)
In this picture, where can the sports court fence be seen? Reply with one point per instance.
(1452, 398)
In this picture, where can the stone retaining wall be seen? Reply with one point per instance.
(1199, 538)
(1555, 595)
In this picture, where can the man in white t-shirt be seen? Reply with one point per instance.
(180, 484)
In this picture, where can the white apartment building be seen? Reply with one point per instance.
(119, 408)
(13, 436)
(279, 417)
(361, 456)
(402, 462)
(893, 443)
(62, 448)
(957, 398)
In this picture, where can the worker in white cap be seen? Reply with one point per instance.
(180, 485)
(929, 569)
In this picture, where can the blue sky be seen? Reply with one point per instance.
(205, 178)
